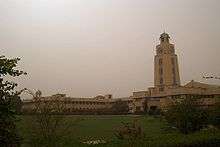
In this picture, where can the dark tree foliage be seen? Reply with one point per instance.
(9, 98)
(187, 116)
(214, 115)
(120, 107)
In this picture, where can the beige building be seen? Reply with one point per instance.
(76, 105)
(167, 88)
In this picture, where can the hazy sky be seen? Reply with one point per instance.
(89, 47)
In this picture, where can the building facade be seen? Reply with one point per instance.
(72, 105)
(167, 88)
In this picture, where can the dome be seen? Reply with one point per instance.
(164, 35)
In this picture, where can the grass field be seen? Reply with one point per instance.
(103, 127)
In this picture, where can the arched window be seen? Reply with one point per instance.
(173, 61)
(160, 61)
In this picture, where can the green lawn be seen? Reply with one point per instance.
(102, 127)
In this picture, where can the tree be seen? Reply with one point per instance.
(214, 115)
(48, 126)
(16, 101)
(120, 107)
(187, 116)
(8, 102)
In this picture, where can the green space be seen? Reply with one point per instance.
(103, 127)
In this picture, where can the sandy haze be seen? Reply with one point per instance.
(89, 47)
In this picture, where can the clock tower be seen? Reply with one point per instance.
(166, 70)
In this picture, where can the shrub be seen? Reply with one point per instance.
(214, 115)
(130, 133)
(120, 107)
(187, 116)
(154, 112)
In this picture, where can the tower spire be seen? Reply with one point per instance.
(164, 37)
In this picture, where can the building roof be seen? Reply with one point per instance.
(194, 84)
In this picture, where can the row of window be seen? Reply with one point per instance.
(73, 109)
(91, 103)
(86, 103)
(160, 51)
(192, 96)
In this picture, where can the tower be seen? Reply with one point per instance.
(166, 70)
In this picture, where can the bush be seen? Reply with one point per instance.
(120, 107)
(214, 115)
(130, 133)
(154, 112)
(187, 116)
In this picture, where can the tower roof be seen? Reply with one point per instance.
(164, 35)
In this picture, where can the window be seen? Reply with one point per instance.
(173, 61)
(174, 76)
(174, 80)
(161, 89)
(153, 108)
(161, 71)
(160, 61)
(138, 108)
(161, 80)
(173, 70)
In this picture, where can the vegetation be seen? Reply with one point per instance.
(103, 127)
(131, 133)
(48, 124)
(9, 102)
(189, 120)
(120, 107)
(187, 116)
(214, 115)
(48, 127)
(154, 112)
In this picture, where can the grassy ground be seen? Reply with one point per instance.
(102, 127)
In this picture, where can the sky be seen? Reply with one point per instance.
(88, 47)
